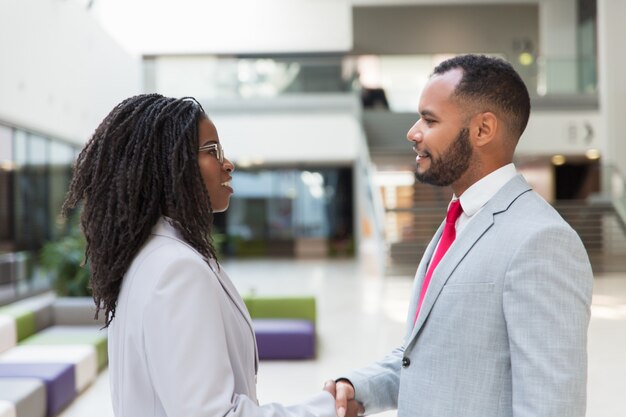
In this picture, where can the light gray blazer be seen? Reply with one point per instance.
(503, 327)
(182, 343)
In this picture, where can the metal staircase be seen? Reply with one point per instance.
(601, 230)
(408, 230)
(599, 226)
(420, 224)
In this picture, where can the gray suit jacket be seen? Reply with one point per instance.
(503, 327)
(182, 343)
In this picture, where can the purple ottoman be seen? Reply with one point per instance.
(284, 338)
(58, 377)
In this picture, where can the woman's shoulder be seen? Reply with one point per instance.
(164, 250)
(161, 256)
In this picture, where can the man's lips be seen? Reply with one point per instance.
(421, 155)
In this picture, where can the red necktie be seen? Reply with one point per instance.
(447, 237)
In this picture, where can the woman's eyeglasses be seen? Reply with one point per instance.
(214, 149)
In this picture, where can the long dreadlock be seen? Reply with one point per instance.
(140, 164)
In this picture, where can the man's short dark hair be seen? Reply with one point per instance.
(492, 85)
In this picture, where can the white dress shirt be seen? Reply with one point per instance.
(477, 195)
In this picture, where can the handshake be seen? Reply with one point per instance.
(345, 403)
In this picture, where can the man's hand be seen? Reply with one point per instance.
(343, 391)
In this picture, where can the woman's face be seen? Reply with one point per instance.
(216, 175)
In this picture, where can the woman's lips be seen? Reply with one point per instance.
(228, 186)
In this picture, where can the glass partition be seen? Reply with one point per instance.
(277, 211)
(6, 187)
(35, 171)
(31, 192)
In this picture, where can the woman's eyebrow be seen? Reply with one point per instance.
(208, 142)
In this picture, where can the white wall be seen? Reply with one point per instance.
(289, 130)
(60, 73)
(563, 132)
(611, 64)
(557, 27)
(229, 27)
(436, 2)
(558, 46)
(292, 139)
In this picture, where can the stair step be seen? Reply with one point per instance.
(601, 230)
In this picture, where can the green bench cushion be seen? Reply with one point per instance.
(297, 307)
(73, 335)
(25, 321)
(30, 315)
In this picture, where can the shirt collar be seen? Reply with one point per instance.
(476, 196)
(164, 227)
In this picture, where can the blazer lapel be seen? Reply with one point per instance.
(475, 229)
(233, 294)
(165, 229)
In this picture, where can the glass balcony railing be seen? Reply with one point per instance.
(396, 80)
(557, 75)
(614, 186)
(211, 77)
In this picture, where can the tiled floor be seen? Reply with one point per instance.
(361, 317)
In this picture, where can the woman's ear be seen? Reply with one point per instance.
(484, 127)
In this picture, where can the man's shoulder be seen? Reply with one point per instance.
(536, 206)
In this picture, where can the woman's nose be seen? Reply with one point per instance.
(228, 166)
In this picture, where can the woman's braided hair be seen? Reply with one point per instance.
(140, 164)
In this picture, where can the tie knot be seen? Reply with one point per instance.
(454, 211)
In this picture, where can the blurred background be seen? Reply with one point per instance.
(312, 100)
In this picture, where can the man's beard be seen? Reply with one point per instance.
(451, 165)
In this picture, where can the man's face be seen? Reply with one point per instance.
(452, 162)
(440, 137)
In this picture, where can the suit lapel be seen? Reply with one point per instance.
(419, 278)
(475, 229)
(449, 262)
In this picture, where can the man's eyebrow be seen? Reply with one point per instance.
(426, 113)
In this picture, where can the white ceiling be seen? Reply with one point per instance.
(241, 26)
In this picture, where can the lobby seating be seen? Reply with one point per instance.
(51, 350)
(284, 326)
(22, 396)
(284, 338)
(58, 379)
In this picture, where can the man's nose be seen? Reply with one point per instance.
(414, 134)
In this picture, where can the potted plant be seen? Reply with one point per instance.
(63, 261)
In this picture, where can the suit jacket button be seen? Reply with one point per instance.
(406, 362)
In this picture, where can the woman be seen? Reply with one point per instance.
(181, 341)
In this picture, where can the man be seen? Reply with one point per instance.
(497, 324)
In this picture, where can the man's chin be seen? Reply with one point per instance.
(421, 177)
(421, 174)
(424, 178)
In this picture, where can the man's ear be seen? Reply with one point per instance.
(484, 127)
